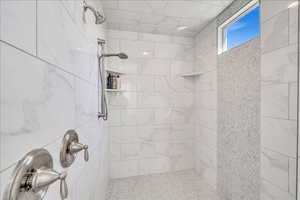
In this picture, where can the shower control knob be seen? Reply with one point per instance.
(76, 147)
(32, 177)
(44, 177)
(71, 147)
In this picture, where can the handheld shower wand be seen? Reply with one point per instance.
(103, 113)
(120, 55)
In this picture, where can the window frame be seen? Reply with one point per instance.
(222, 35)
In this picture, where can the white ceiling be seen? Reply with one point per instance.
(161, 16)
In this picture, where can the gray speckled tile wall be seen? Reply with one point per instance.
(239, 122)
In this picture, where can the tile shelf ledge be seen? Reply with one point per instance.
(192, 74)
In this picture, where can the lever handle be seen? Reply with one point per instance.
(86, 153)
(76, 147)
(63, 186)
(44, 177)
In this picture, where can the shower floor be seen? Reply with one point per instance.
(181, 185)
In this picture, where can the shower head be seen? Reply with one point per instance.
(120, 55)
(99, 19)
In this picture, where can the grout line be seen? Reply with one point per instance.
(271, 183)
(43, 146)
(288, 172)
(279, 48)
(288, 24)
(275, 15)
(36, 27)
(289, 106)
(278, 118)
(47, 62)
(274, 151)
(297, 139)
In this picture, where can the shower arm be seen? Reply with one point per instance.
(103, 108)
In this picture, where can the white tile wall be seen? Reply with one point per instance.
(275, 100)
(275, 31)
(152, 131)
(206, 104)
(19, 17)
(278, 99)
(49, 89)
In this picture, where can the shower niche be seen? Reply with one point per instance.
(114, 80)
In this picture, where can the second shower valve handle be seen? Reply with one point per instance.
(76, 147)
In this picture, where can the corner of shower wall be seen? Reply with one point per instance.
(151, 126)
(205, 146)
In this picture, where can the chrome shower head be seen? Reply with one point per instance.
(120, 55)
(99, 19)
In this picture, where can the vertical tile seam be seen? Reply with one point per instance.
(36, 28)
(297, 142)
(289, 98)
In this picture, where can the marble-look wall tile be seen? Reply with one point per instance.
(275, 168)
(280, 65)
(275, 100)
(279, 135)
(293, 25)
(293, 91)
(168, 51)
(279, 71)
(19, 17)
(123, 100)
(155, 129)
(155, 133)
(275, 32)
(155, 66)
(67, 47)
(154, 165)
(292, 176)
(29, 105)
(272, 8)
(49, 89)
(124, 168)
(136, 49)
(123, 134)
(205, 102)
(125, 35)
(153, 100)
(207, 118)
(272, 192)
(114, 117)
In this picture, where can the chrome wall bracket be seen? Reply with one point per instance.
(33, 175)
(70, 147)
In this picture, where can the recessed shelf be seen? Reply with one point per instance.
(114, 71)
(192, 74)
(114, 90)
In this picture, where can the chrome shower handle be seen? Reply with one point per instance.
(42, 178)
(76, 147)
(63, 188)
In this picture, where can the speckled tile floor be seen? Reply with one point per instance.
(182, 185)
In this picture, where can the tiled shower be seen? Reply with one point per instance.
(186, 121)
